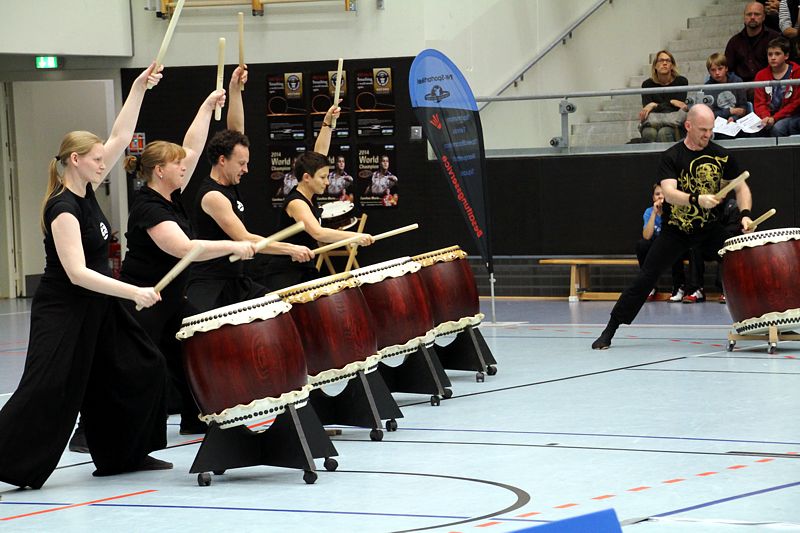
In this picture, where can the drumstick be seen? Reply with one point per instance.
(275, 237)
(355, 238)
(241, 46)
(337, 90)
(394, 232)
(220, 74)
(181, 265)
(760, 219)
(732, 185)
(173, 21)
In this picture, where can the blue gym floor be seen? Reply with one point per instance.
(667, 427)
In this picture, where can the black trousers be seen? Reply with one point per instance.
(85, 353)
(207, 294)
(678, 275)
(670, 246)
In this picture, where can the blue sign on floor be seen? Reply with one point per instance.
(599, 522)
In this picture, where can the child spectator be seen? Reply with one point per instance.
(729, 104)
(777, 106)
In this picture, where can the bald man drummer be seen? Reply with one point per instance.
(692, 172)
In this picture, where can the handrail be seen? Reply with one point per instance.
(257, 6)
(653, 90)
(560, 39)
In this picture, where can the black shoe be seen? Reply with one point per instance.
(194, 427)
(77, 443)
(603, 342)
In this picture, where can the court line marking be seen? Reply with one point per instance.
(728, 499)
(63, 507)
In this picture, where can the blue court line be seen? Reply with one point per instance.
(728, 499)
(713, 371)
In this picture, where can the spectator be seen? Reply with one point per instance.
(663, 114)
(726, 103)
(650, 231)
(787, 24)
(771, 12)
(746, 51)
(777, 106)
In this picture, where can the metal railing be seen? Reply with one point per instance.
(565, 107)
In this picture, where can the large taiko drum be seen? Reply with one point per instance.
(245, 362)
(335, 326)
(452, 293)
(761, 273)
(398, 302)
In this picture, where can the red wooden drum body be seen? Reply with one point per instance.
(244, 362)
(761, 276)
(396, 297)
(452, 293)
(335, 326)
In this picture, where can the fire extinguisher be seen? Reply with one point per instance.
(114, 255)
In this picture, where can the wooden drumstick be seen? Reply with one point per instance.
(394, 232)
(185, 261)
(358, 237)
(275, 237)
(338, 89)
(241, 46)
(723, 192)
(759, 220)
(220, 74)
(173, 21)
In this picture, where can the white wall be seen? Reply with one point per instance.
(66, 27)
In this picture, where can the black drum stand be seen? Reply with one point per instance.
(421, 373)
(468, 351)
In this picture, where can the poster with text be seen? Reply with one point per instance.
(323, 90)
(281, 171)
(286, 107)
(374, 102)
(377, 181)
(341, 180)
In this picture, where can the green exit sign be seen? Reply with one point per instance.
(47, 62)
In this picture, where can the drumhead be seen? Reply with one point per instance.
(311, 290)
(451, 253)
(387, 269)
(760, 238)
(263, 308)
(338, 215)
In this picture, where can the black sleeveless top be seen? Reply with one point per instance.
(206, 228)
(279, 263)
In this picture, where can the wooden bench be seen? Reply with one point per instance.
(579, 276)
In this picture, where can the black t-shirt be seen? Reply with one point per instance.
(206, 228)
(94, 228)
(697, 172)
(663, 99)
(145, 263)
(282, 262)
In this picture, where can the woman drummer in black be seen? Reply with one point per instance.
(159, 234)
(85, 352)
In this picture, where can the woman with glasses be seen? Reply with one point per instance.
(663, 114)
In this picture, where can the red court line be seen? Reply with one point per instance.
(487, 524)
(603, 497)
(77, 505)
(706, 474)
(270, 421)
(717, 345)
(565, 506)
(526, 515)
(736, 467)
(764, 460)
(638, 489)
(676, 480)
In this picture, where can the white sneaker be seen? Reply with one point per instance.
(677, 297)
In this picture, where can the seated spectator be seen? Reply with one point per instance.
(663, 114)
(788, 24)
(771, 12)
(746, 51)
(778, 106)
(728, 104)
(650, 231)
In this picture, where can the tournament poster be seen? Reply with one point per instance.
(377, 182)
(286, 107)
(281, 171)
(323, 89)
(374, 102)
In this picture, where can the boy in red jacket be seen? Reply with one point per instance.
(778, 106)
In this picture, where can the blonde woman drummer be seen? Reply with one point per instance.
(85, 352)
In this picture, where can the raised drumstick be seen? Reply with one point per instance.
(759, 220)
(173, 21)
(241, 46)
(185, 261)
(220, 73)
(338, 89)
(723, 192)
(358, 237)
(275, 237)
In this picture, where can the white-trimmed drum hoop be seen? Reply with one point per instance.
(781, 320)
(760, 238)
(331, 211)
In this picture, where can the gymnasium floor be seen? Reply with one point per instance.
(666, 427)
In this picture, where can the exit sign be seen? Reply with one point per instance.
(47, 62)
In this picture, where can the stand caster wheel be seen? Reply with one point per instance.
(491, 370)
(731, 344)
(435, 400)
(448, 393)
(331, 464)
(309, 476)
(376, 435)
(218, 472)
(391, 425)
(480, 377)
(204, 479)
(772, 348)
